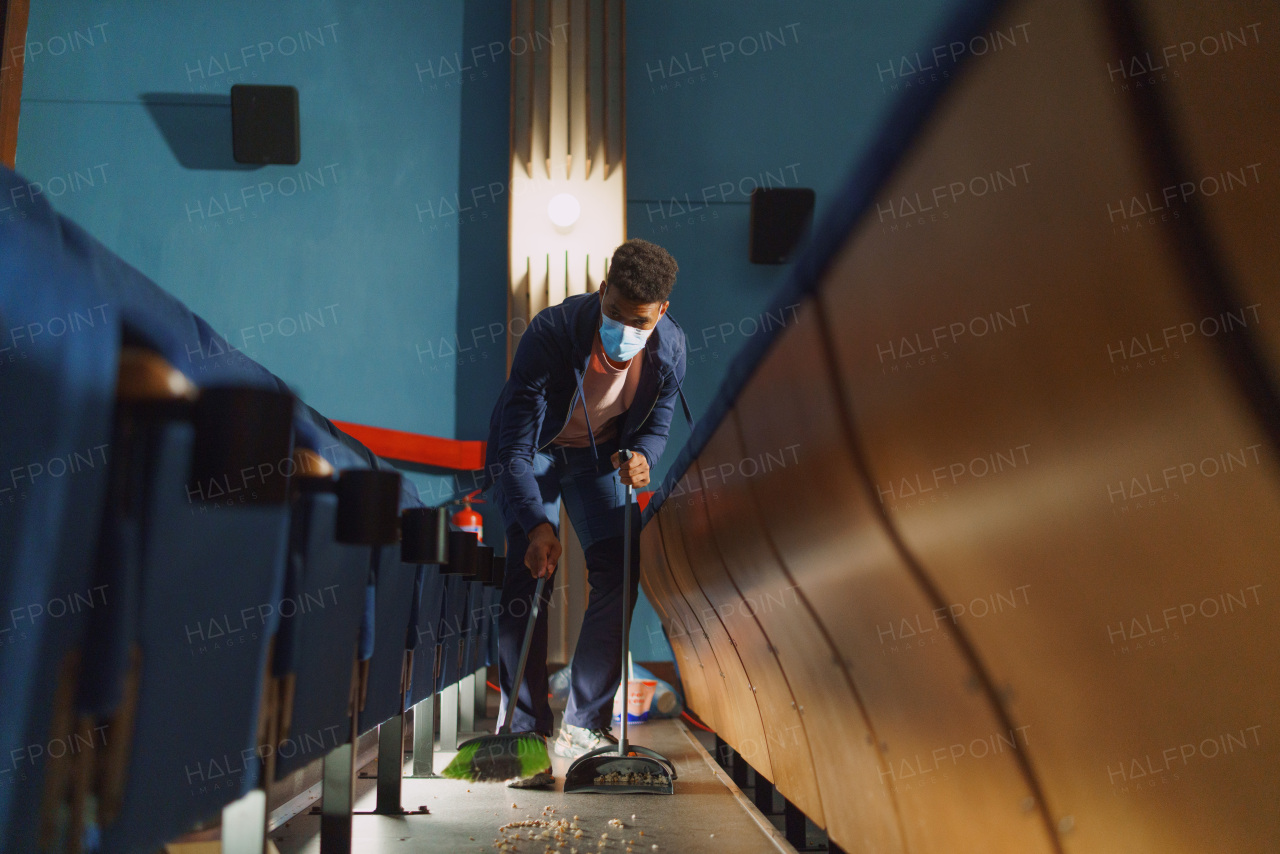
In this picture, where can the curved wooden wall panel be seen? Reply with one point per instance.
(1077, 489)
(927, 711)
(832, 732)
(718, 698)
(738, 708)
(656, 580)
(783, 755)
(1021, 491)
(711, 674)
(1230, 137)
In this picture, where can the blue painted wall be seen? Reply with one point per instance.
(394, 258)
(727, 95)
(325, 272)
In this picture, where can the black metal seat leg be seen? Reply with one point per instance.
(390, 765)
(763, 795)
(794, 822)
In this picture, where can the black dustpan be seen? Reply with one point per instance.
(624, 768)
(606, 771)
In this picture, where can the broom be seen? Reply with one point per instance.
(495, 758)
(625, 767)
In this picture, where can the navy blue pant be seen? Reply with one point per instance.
(594, 499)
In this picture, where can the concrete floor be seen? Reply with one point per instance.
(706, 814)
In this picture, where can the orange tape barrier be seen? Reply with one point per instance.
(464, 455)
(460, 454)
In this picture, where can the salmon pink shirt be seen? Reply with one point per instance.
(608, 391)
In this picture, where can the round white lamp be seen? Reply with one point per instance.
(564, 210)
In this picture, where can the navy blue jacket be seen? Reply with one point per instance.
(546, 385)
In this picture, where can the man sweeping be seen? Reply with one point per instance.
(595, 374)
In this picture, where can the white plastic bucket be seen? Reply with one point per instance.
(639, 698)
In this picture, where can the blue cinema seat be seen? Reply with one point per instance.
(212, 560)
(424, 542)
(395, 584)
(325, 579)
(491, 599)
(196, 569)
(197, 537)
(59, 339)
(454, 629)
(477, 620)
(424, 640)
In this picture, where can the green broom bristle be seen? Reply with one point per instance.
(499, 757)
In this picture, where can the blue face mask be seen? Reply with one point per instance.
(621, 342)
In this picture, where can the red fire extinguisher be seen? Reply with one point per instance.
(467, 519)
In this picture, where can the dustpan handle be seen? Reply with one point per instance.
(524, 657)
(623, 456)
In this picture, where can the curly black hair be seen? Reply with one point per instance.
(642, 272)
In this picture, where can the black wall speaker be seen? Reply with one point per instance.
(779, 218)
(264, 124)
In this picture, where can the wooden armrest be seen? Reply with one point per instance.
(145, 376)
(307, 463)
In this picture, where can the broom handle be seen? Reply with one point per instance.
(524, 657)
(623, 456)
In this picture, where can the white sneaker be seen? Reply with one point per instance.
(574, 741)
(541, 780)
